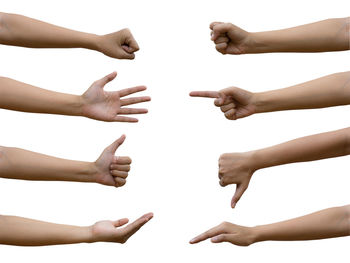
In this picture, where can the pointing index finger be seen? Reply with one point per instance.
(205, 94)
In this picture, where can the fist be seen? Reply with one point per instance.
(119, 44)
(229, 39)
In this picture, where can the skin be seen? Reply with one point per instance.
(18, 30)
(328, 223)
(95, 103)
(238, 168)
(108, 169)
(20, 231)
(328, 91)
(235, 103)
(322, 36)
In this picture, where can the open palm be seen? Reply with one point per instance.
(110, 231)
(109, 106)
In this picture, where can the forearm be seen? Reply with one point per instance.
(21, 164)
(27, 232)
(15, 95)
(310, 148)
(326, 35)
(23, 31)
(328, 91)
(329, 223)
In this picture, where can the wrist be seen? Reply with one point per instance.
(254, 160)
(261, 102)
(91, 171)
(258, 234)
(88, 234)
(74, 105)
(92, 41)
(256, 43)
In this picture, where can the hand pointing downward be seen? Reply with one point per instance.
(110, 169)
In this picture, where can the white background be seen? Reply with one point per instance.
(176, 146)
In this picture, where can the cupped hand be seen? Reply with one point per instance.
(111, 231)
(119, 44)
(236, 168)
(103, 105)
(110, 169)
(234, 102)
(227, 232)
(229, 39)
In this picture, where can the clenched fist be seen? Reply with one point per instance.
(119, 44)
(230, 39)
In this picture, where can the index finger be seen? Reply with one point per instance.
(214, 24)
(205, 94)
(128, 91)
(208, 234)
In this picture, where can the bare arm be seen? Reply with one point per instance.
(107, 169)
(326, 35)
(18, 30)
(20, 231)
(238, 168)
(95, 103)
(328, 223)
(328, 91)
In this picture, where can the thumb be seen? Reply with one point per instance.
(240, 189)
(102, 82)
(127, 53)
(221, 238)
(120, 222)
(115, 145)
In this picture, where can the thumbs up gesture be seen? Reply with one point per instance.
(110, 169)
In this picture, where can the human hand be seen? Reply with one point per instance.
(227, 232)
(234, 102)
(236, 168)
(110, 231)
(110, 169)
(230, 39)
(119, 44)
(108, 106)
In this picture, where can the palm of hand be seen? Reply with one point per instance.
(100, 104)
(106, 231)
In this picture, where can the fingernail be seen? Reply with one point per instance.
(214, 239)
